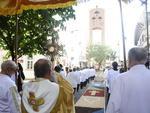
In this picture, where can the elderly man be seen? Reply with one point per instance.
(42, 95)
(9, 98)
(130, 92)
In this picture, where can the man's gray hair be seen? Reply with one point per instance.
(138, 54)
(9, 64)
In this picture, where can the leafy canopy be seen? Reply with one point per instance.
(34, 28)
(99, 53)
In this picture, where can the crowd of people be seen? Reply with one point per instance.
(52, 91)
(78, 78)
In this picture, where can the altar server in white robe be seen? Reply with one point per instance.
(10, 100)
(130, 92)
(112, 74)
(73, 79)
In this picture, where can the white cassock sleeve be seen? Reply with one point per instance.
(115, 97)
(14, 100)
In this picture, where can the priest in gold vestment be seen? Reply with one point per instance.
(44, 96)
(68, 97)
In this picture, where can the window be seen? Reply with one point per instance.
(29, 63)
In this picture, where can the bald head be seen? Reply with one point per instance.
(9, 67)
(136, 56)
(42, 68)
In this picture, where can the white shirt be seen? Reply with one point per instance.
(63, 74)
(42, 88)
(13, 77)
(111, 76)
(131, 92)
(105, 74)
(9, 98)
(73, 79)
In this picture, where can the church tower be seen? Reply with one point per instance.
(96, 27)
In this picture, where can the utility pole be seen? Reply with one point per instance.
(123, 36)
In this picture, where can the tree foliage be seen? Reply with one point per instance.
(99, 53)
(34, 28)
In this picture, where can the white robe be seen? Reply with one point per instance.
(73, 79)
(63, 74)
(42, 88)
(111, 76)
(78, 74)
(10, 100)
(131, 92)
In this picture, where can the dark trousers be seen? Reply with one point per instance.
(107, 96)
(81, 85)
(78, 86)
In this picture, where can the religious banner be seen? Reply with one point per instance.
(45, 4)
(11, 7)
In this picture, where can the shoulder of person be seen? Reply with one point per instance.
(10, 82)
(65, 84)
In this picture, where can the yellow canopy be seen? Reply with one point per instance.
(11, 7)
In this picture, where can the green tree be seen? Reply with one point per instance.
(34, 28)
(99, 53)
(112, 56)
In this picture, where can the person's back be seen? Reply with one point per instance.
(5, 85)
(38, 89)
(135, 91)
(112, 74)
(67, 95)
(9, 97)
(130, 92)
(72, 78)
(41, 95)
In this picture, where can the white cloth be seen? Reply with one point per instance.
(13, 77)
(78, 74)
(10, 101)
(111, 76)
(42, 88)
(84, 75)
(93, 72)
(105, 74)
(63, 74)
(73, 79)
(131, 92)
